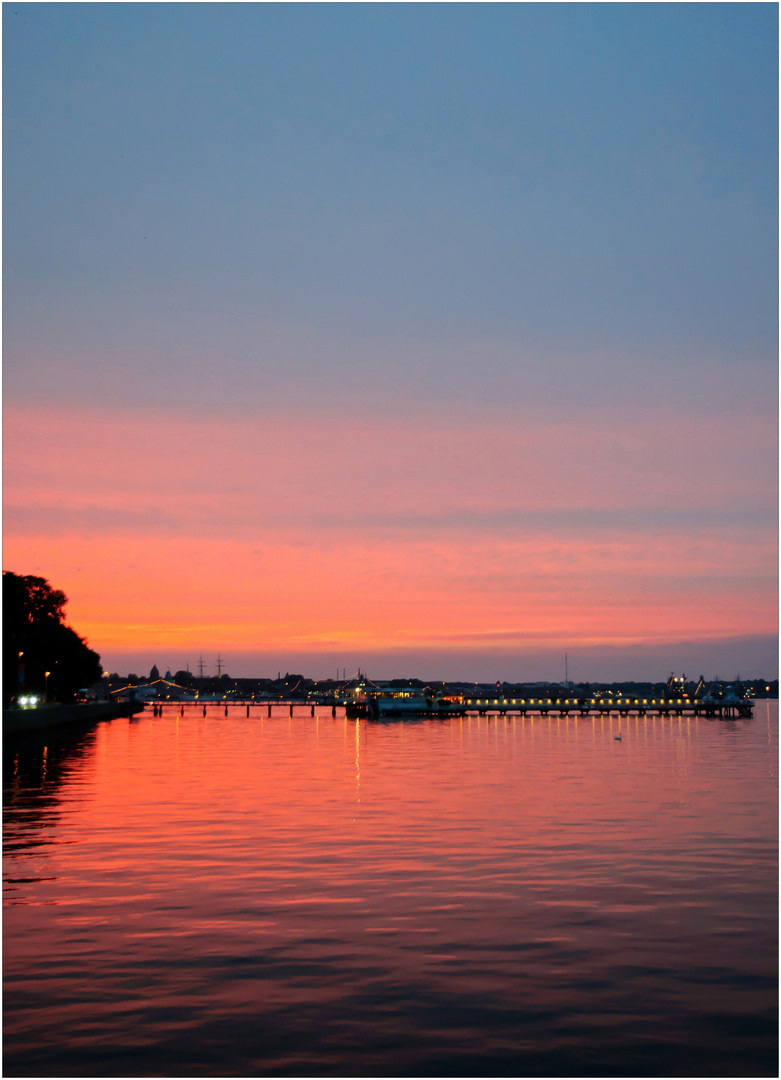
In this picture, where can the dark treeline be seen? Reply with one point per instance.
(37, 641)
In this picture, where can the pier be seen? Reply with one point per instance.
(729, 708)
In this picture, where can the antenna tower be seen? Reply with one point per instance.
(219, 665)
(200, 667)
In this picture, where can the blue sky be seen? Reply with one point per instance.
(566, 178)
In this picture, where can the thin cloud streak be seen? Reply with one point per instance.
(301, 467)
(556, 523)
(174, 356)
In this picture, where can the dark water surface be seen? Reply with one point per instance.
(314, 896)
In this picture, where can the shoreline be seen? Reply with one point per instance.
(46, 717)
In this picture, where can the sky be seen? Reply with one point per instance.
(435, 339)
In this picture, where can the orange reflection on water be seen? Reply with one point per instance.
(198, 882)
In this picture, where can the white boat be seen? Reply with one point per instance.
(406, 703)
(390, 701)
(403, 704)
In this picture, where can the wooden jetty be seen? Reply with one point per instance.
(725, 708)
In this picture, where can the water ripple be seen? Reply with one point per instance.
(310, 896)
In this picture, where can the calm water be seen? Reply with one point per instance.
(310, 896)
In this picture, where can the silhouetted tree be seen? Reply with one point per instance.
(33, 626)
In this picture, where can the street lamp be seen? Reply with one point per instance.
(46, 675)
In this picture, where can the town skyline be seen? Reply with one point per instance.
(751, 658)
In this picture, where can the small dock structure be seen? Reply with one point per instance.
(730, 707)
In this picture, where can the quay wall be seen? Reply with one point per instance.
(43, 717)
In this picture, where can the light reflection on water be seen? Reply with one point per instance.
(310, 896)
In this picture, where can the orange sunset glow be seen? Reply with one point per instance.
(312, 535)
